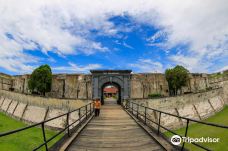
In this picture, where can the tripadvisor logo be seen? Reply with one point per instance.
(176, 140)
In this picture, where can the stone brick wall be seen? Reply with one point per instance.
(196, 106)
(65, 104)
(5, 81)
(79, 86)
(32, 113)
(144, 84)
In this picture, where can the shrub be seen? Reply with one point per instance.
(155, 95)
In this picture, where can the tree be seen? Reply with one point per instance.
(176, 77)
(40, 80)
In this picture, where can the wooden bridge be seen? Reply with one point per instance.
(115, 130)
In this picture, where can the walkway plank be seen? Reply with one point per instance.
(114, 130)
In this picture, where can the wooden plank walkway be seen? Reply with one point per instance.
(113, 130)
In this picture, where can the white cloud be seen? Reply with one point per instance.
(222, 69)
(76, 68)
(63, 26)
(192, 63)
(127, 45)
(147, 65)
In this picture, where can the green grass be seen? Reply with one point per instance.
(199, 130)
(25, 140)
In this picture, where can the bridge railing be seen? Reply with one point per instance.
(84, 113)
(141, 112)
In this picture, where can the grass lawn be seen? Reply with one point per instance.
(25, 140)
(199, 130)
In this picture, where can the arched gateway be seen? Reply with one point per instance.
(119, 78)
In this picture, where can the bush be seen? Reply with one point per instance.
(155, 95)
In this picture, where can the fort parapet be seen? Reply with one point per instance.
(79, 86)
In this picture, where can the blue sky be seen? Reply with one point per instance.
(145, 36)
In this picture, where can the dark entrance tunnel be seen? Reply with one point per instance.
(105, 94)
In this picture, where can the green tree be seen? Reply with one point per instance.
(40, 80)
(176, 78)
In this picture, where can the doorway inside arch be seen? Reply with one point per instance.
(111, 93)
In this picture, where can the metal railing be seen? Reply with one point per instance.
(134, 107)
(84, 113)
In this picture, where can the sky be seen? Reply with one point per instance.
(75, 36)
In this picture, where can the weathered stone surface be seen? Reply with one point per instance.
(204, 109)
(195, 106)
(188, 111)
(19, 110)
(1, 100)
(225, 93)
(217, 103)
(79, 86)
(170, 121)
(56, 123)
(73, 117)
(6, 104)
(34, 114)
(64, 104)
(12, 107)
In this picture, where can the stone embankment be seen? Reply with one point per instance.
(197, 106)
(33, 109)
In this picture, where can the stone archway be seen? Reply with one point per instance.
(115, 85)
(121, 78)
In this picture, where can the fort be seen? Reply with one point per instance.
(139, 85)
(204, 96)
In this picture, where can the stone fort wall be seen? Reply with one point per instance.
(34, 109)
(79, 86)
(196, 106)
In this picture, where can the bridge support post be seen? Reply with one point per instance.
(137, 111)
(90, 109)
(132, 109)
(67, 126)
(79, 114)
(145, 115)
(86, 111)
(44, 136)
(186, 132)
(159, 122)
